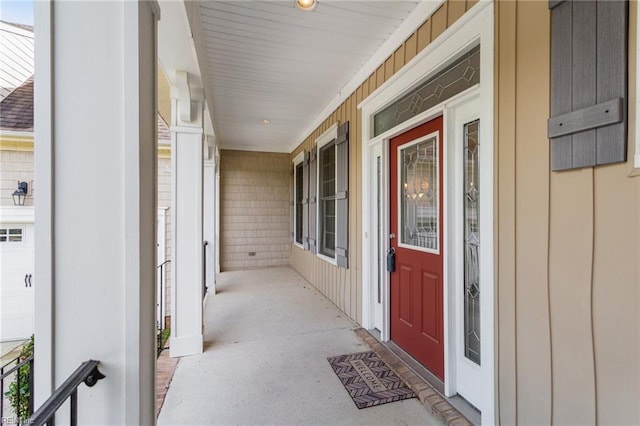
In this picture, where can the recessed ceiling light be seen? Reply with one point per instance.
(306, 5)
(265, 121)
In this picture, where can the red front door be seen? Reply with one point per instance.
(416, 223)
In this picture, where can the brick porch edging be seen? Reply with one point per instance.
(427, 395)
(165, 368)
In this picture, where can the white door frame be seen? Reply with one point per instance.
(475, 27)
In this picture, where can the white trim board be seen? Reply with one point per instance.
(476, 26)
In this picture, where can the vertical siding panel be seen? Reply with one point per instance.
(570, 280)
(379, 76)
(616, 295)
(388, 67)
(398, 59)
(505, 94)
(439, 21)
(410, 47)
(356, 288)
(365, 89)
(456, 9)
(471, 3)
(424, 35)
(372, 82)
(532, 212)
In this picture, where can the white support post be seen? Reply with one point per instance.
(209, 213)
(187, 149)
(95, 123)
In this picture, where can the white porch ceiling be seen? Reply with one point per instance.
(269, 60)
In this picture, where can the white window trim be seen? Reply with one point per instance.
(296, 162)
(325, 138)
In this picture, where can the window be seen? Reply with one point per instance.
(332, 198)
(298, 200)
(328, 199)
(11, 235)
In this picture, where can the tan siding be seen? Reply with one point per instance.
(164, 96)
(344, 286)
(439, 21)
(410, 47)
(567, 255)
(423, 35)
(255, 188)
(616, 295)
(532, 203)
(456, 10)
(398, 59)
(505, 140)
(15, 166)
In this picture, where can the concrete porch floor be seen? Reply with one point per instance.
(268, 334)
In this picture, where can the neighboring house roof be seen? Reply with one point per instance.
(16, 56)
(16, 110)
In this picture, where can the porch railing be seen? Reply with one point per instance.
(6, 371)
(88, 373)
(204, 269)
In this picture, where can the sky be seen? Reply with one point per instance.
(17, 11)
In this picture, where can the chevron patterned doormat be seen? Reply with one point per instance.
(368, 380)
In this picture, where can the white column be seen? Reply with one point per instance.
(209, 213)
(95, 207)
(186, 226)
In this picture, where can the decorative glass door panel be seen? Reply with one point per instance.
(471, 243)
(419, 204)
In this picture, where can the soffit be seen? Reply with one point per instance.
(269, 60)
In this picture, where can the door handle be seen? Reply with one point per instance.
(26, 277)
(391, 260)
(30, 283)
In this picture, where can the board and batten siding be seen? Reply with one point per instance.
(254, 209)
(567, 251)
(344, 286)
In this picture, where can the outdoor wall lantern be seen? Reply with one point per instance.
(20, 194)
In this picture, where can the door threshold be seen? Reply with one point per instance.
(428, 387)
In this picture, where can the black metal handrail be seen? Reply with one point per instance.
(88, 373)
(204, 269)
(16, 369)
(160, 321)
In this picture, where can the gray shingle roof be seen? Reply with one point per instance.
(16, 110)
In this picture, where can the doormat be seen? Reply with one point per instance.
(368, 380)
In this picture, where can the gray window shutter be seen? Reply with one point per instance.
(313, 199)
(292, 204)
(588, 124)
(342, 195)
(305, 201)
